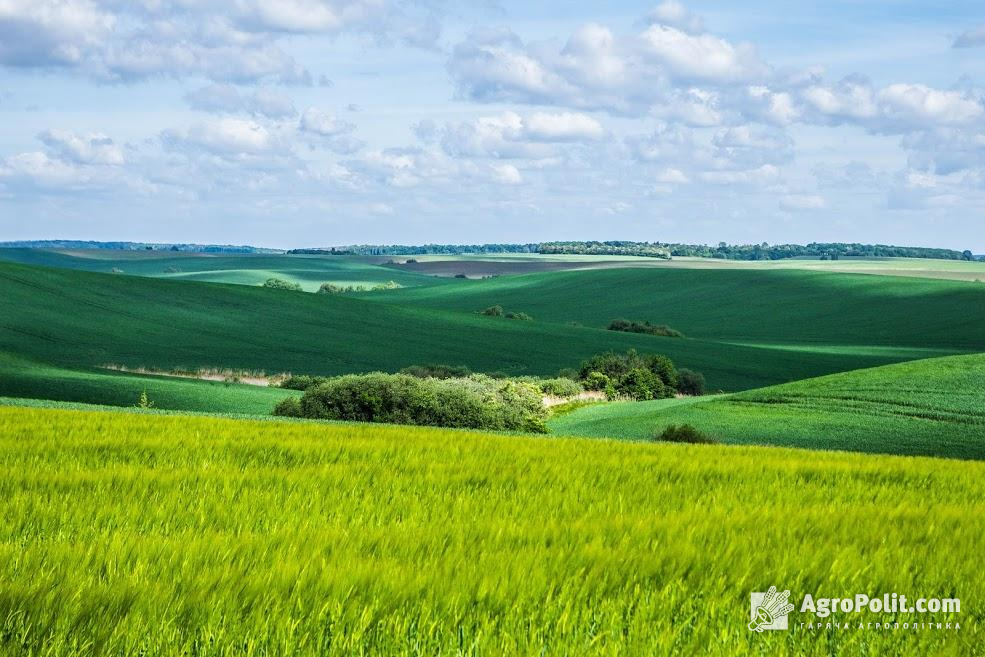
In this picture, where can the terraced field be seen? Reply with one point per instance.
(131, 534)
(931, 407)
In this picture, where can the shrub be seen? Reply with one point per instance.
(560, 387)
(493, 311)
(690, 382)
(476, 402)
(597, 381)
(641, 384)
(460, 276)
(302, 382)
(644, 327)
(568, 373)
(143, 401)
(389, 285)
(437, 371)
(684, 433)
(640, 376)
(288, 407)
(281, 284)
(521, 316)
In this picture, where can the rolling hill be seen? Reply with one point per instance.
(78, 320)
(928, 407)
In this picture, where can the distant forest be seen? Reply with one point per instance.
(665, 250)
(134, 246)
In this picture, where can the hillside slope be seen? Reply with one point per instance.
(764, 307)
(933, 407)
(78, 319)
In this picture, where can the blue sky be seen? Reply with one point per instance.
(322, 122)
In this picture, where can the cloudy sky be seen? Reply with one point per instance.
(321, 122)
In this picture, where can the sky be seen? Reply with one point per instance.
(291, 123)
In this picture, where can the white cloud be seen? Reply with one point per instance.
(918, 105)
(567, 126)
(675, 14)
(93, 148)
(507, 174)
(802, 202)
(510, 135)
(228, 137)
(700, 57)
(231, 42)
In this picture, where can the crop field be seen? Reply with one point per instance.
(135, 534)
(241, 269)
(931, 407)
(34, 380)
(81, 320)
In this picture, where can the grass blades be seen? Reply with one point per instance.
(132, 534)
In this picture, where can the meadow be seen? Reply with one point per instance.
(930, 407)
(136, 534)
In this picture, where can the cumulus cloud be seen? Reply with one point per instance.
(230, 138)
(598, 69)
(93, 148)
(236, 42)
(675, 14)
(510, 135)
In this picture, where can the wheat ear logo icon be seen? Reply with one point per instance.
(773, 606)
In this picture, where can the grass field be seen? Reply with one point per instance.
(764, 307)
(931, 407)
(131, 534)
(241, 269)
(35, 380)
(76, 320)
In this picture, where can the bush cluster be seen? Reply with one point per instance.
(561, 387)
(433, 371)
(302, 381)
(281, 284)
(644, 327)
(497, 311)
(638, 376)
(476, 402)
(684, 433)
(690, 383)
(332, 288)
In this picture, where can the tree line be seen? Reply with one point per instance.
(663, 250)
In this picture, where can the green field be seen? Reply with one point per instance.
(132, 534)
(35, 380)
(76, 319)
(931, 407)
(241, 269)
